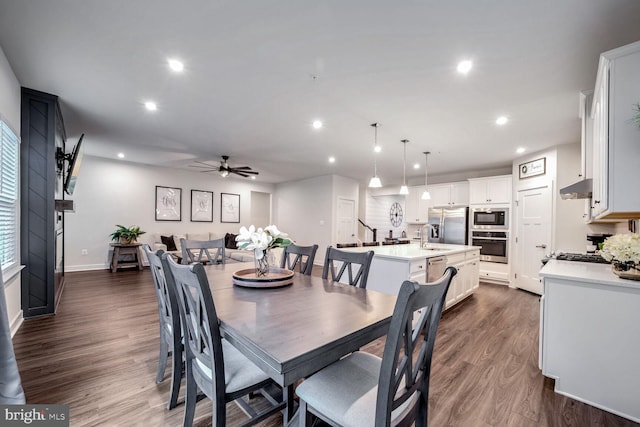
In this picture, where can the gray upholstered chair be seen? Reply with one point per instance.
(199, 251)
(170, 330)
(364, 390)
(213, 365)
(293, 255)
(362, 260)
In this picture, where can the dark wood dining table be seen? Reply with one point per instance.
(293, 331)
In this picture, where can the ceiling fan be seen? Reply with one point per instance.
(224, 169)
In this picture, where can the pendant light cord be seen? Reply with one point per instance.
(404, 163)
(375, 144)
(426, 158)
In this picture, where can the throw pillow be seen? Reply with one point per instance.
(169, 243)
(230, 241)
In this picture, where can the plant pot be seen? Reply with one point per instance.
(126, 241)
(625, 270)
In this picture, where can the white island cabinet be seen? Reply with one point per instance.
(394, 264)
(590, 335)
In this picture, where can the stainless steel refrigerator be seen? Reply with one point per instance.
(449, 225)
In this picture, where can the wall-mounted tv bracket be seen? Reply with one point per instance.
(61, 157)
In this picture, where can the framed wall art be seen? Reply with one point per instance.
(201, 206)
(533, 168)
(229, 207)
(168, 203)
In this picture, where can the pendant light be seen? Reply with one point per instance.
(426, 195)
(404, 189)
(375, 181)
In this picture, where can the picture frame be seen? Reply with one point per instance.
(201, 206)
(533, 168)
(229, 207)
(168, 203)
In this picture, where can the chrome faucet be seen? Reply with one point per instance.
(424, 237)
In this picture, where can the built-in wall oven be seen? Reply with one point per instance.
(494, 245)
(490, 218)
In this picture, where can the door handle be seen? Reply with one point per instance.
(543, 246)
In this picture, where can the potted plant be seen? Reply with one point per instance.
(126, 235)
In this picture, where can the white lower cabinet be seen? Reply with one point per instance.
(467, 279)
(387, 274)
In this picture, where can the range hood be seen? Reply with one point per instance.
(579, 190)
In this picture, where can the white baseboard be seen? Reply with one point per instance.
(85, 267)
(15, 323)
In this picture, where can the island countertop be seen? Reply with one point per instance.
(413, 252)
(599, 274)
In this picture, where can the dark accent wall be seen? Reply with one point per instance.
(41, 227)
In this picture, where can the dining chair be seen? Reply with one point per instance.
(170, 330)
(364, 390)
(198, 251)
(213, 365)
(362, 261)
(293, 255)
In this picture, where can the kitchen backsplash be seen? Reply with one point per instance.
(377, 215)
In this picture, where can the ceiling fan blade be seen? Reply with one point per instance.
(241, 167)
(242, 174)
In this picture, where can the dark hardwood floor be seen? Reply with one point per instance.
(99, 355)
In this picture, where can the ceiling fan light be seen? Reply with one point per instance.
(224, 173)
(404, 190)
(426, 195)
(375, 182)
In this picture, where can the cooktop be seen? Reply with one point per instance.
(568, 256)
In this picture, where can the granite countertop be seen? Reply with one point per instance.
(413, 252)
(600, 274)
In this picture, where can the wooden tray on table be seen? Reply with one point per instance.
(275, 278)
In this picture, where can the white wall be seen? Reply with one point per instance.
(111, 192)
(304, 209)
(260, 209)
(10, 114)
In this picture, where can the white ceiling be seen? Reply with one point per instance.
(248, 89)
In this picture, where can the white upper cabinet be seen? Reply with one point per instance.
(416, 209)
(453, 194)
(616, 136)
(490, 190)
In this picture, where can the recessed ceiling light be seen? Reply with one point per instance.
(176, 65)
(502, 120)
(121, 155)
(151, 106)
(416, 166)
(317, 124)
(465, 66)
(521, 150)
(253, 177)
(377, 149)
(332, 159)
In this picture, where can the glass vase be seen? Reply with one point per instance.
(263, 264)
(626, 270)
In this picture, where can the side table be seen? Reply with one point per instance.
(125, 255)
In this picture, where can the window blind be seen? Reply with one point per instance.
(8, 196)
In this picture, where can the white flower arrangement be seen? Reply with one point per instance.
(623, 248)
(261, 239)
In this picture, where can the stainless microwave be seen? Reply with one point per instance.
(490, 218)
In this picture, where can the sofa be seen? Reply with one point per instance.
(231, 253)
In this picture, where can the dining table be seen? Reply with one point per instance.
(293, 331)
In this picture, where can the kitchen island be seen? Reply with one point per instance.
(590, 335)
(394, 264)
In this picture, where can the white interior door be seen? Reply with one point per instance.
(533, 242)
(346, 221)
